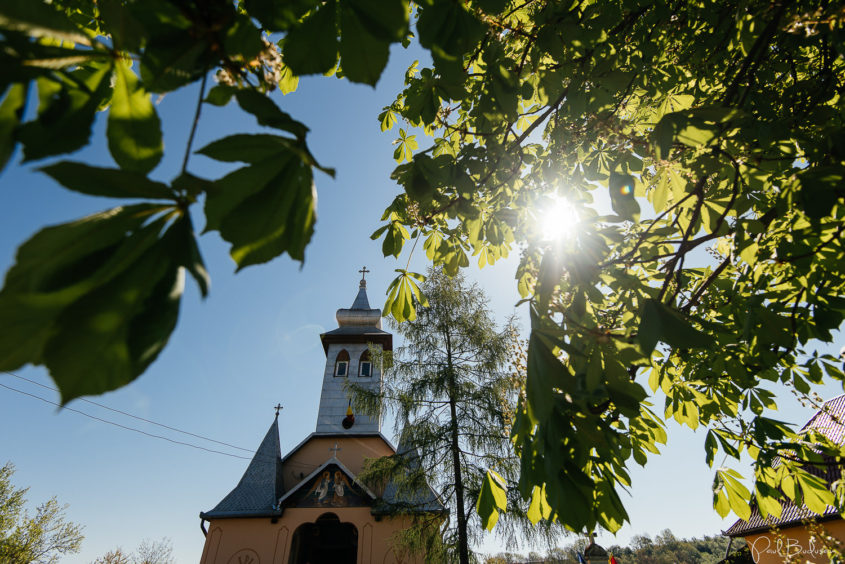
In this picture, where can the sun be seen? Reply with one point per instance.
(559, 220)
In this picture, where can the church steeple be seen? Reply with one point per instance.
(360, 314)
(258, 492)
(361, 301)
(347, 356)
(310, 505)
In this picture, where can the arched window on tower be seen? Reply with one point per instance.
(365, 366)
(341, 364)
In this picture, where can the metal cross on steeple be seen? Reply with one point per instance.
(278, 408)
(364, 272)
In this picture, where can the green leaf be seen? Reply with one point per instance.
(186, 252)
(58, 266)
(278, 16)
(622, 196)
(420, 183)
(231, 190)
(268, 113)
(52, 260)
(405, 146)
(362, 56)
(107, 338)
(109, 182)
(40, 19)
(265, 209)
(545, 373)
(311, 47)
(37, 59)
(190, 185)
(422, 99)
(694, 128)
(539, 507)
(448, 29)
(243, 39)
(254, 148)
(721, 503)
(492, 6)
(122, 26)
(401, 296)
(387, 119)
(492, 499)
(820, 187)
(767, 504)
(711, 447)
(171, 64)
(662, 139)
(247, 148)
(10, 115)
(661, 323)
(816, 495)
(385, 20)
(64, 124)
(149, 330)
(220, 95)
(738, 494)
(394, 238)
(288, 82)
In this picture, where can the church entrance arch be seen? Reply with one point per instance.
(325, 541)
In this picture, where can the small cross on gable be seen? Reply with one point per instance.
(335, 449)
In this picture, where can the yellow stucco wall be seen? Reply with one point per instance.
(766, 548)
(353, 451)
(235, 541)
(261, 541)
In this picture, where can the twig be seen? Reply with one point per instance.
(194, 125)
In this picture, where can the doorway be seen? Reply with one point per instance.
(326, 541)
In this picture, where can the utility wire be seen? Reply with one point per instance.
(124, 426)
(130, 415)
(152, 435)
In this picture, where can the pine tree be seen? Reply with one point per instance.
(454, 392)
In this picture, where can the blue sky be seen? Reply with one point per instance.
(255, 342)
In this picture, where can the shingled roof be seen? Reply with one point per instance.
(829, 421)
(257, 494)
(421, 499)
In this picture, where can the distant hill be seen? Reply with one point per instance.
(665, 548)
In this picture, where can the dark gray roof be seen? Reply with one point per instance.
(595, 550)
(357, 334)
(829, 422)
(257, 494)
(348, 331)
(421, 499)
(361, 301)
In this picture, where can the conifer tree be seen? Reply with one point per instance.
(453, 389)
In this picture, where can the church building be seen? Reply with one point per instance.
(308, 507)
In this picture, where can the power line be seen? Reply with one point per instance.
(131, 415)
(152, 435)
(124, 426)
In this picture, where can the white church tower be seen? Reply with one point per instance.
(348, 359)
(308, 506)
